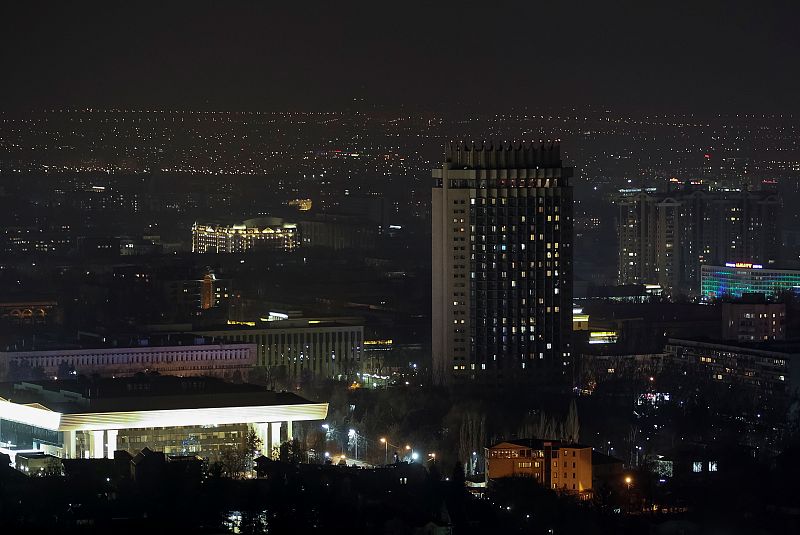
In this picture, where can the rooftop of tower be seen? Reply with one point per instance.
(502, 155)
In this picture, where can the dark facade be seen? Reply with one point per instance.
(502, 264)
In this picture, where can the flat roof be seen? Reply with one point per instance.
(87, 341)
(290, 323)
(785, 348)
(148, 401)
(538, 443)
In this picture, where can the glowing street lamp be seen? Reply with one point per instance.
(386, 450)
(628, 481)
(354, 435)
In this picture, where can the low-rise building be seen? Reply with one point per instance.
(198, 358)
(764, 375)
(177, 416)
(38, 464)
(606, 470)
(561, 466)
(735, 279)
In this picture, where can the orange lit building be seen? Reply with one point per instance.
(562, 466)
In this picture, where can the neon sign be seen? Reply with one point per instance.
(747, 265)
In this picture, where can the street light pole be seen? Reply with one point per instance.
(354, 434)
(386, 450)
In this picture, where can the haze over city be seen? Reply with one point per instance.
(456, 268)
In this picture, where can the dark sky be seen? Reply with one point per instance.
(701, 56)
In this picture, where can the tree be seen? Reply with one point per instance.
(258, 376)
(472, 436)
(65, 370)
(238, 460)
(459, 479)
(572, 426)
(24, 372)
(293, 451)
(277, 377)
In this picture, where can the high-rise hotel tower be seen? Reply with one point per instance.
(502, 265)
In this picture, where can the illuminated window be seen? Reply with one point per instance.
(712, 466)
(697, 466)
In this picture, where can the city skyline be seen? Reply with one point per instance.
(450, 268)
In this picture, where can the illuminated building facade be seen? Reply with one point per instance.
(667, 238)
(580, 321)
(303, 205)
(734, 279)
(28, 312)
(324, 348)
(562, 466)
(186, 416)
(502, 265)
(254, 234)
(222, 360)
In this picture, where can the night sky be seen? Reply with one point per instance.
(702, 57)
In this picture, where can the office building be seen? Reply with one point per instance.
(666, 238)
(735, 279)
(183, 416)
(262, 234)
(762, 376)
(329, 348)
(338, 232)
(221, 360)
(753, 321)
(502, 265)
(557, 465)
(188, 296)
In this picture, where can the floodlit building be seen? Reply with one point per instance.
(312, 347)
(180, 416)
(38, 464)
(737, 278)
(265, 233)
(557, 465)
(502, 265)
(29, 312)
(217, 359)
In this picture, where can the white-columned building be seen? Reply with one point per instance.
(177, 415)
(220, 360)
